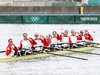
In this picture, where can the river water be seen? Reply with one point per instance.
(51, 65)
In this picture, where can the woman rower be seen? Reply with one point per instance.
(26, 44)
(11, 49)
(88, 36)
(54, 40)
(38, 41)
(66, 40)
(81, 36)
(46, 42)
(73, 38)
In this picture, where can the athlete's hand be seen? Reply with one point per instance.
(30, 38)
(61, 33)
(43, 37)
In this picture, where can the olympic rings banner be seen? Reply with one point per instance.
(50, 19)
(35, 19)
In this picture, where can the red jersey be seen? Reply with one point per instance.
(46, 42)
(9, 48)
(59, 37)
(79, 37)
(89, 37)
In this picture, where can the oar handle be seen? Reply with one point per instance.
(90, 42)
(60, 43)
(2, 51)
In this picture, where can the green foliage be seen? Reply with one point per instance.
(9, 4)
(6, 4)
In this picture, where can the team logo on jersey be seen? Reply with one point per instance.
(34, 18)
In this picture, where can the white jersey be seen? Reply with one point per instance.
(65, 40)
(39, 43)
(73, 39)
(54, 41)
(26, 44)
(83, 38)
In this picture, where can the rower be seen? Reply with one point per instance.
(54, 40)
(73, 38)
(88, 36)
(11, 49)
(26, 44)
(80, 36)
(46, 42)
(86, 31)
(66, 40)
(39, 42)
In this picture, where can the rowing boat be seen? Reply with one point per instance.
(44, 54)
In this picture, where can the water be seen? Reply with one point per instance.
(51, 65)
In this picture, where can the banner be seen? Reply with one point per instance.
(60, 19)
(10, 19)
(87, 19)
(35, 19)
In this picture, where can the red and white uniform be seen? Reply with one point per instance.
(74, 40)
(80, 37)
(46, 42)
(9, 49)
(88, 37)
(55, 40)
(39, 43)
(27, 44)
(64, 39)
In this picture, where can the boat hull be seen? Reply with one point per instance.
(45, 54)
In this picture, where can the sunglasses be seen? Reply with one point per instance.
(54, 33)
(24, 35)
(81, 32)
(72, 31)
(36, 35)
(47, 36)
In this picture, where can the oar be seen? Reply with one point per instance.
(68, 43)
(74, 51)
(94, 46)
(91, 42)
(60, 43)
(66, 56)
(60, 55)
(23, 48)
(29, 49)
(2, 51)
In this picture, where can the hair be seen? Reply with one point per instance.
(36, 33)
(54, 31)
(9, 39)
(65, 31)
(25, 33)
(81, 30)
